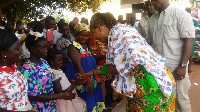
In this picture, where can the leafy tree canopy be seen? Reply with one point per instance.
(13, 10)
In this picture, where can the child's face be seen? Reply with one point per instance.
(41, 49)
(65, 31)
(57, 62)
(83, 37)
(51, 25)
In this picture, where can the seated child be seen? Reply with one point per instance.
(61, 83)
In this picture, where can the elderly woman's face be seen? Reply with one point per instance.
(101, 33)
(14, 53)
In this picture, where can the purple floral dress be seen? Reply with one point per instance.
(40, 80)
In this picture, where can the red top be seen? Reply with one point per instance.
(98, 48)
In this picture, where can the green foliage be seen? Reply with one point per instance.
(59, 16)
(33, 9)
(82, 5)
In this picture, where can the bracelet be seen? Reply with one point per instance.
(51, 98)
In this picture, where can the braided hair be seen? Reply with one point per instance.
(106, 19)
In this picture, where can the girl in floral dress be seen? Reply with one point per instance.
(40, 77)
(82, 61)
(140, 72)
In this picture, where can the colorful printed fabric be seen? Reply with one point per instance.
(13, 89)
(94, 102)
(104, 70)
(62, 44)
(40, 80)
(97, 48)
(127, 49)
(149, 97)
(81, 27)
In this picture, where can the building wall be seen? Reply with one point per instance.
(128, 3)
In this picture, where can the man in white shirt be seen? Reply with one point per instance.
(143, 26)
(173, 38)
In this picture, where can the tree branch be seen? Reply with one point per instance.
(5, 3)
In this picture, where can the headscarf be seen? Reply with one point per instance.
(81, 27)
(7, 39)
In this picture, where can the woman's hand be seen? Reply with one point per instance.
(89, 87)
(78, 75)
(112, 70)
(104, 78)
(80, 80)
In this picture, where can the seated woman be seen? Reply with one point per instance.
(81, 61)
(13, 85)
(140, 72)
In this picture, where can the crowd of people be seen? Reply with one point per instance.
(82, 67)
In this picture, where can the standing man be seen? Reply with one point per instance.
(143, 26)
(173, 38)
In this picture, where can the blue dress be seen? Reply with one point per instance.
(94, 102)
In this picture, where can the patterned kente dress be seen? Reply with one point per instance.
(40, 80)
(143, 78)
(94, 102)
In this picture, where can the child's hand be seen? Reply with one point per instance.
(68, 95)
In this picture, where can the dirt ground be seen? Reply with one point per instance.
(194, 92)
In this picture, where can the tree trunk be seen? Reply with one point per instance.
(11, 18)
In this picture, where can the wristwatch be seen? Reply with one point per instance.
(183, 65)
